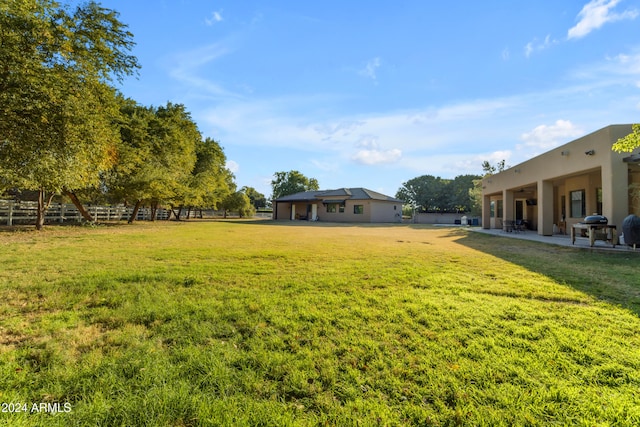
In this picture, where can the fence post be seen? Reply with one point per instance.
(10, 215)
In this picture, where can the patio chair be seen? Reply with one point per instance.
(509, 226)
(519, 226)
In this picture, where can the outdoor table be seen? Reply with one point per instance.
(595, 232)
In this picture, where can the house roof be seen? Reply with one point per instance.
(338, 194)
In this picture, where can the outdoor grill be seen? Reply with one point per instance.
(595, 219)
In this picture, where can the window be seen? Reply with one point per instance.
(492, 209)
(499, 208)
(358, 209)
(335, 207)
(599, 200)
(578, 206)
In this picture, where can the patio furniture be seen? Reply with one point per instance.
(595, 232)
(520, 225)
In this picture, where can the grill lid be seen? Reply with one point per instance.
(595, 219)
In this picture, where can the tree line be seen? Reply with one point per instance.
(65, 128)
(428, 193)
(462, 194)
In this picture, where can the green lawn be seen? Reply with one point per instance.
(259, 323)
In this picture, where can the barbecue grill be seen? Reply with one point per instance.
(595, 219)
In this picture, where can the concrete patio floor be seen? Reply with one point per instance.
(556, 239)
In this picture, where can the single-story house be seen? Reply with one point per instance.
(557, 189)
(341, 205)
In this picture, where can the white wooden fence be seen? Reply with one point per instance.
(12, 212)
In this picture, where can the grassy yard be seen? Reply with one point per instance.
(258, 323)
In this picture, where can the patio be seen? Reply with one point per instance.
(556, 239)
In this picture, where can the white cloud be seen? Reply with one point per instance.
(595, 14)
(545, 137)
(444, 140)
(625, 64)
(371, 154)
(376, 157)
(342, 128)
(370, 69)
(506, 54)
(186, 67)
(536, 46)
(233, 166)
(215, 17)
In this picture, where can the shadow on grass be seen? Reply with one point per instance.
(324, 224)
(608, 276)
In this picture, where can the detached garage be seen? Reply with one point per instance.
(342, 205)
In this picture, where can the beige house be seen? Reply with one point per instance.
(557, 189)
(342, 205)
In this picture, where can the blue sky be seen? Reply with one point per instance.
(372, 94)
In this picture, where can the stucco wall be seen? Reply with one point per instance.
(386, 212)
(586, 164)
(373, 211)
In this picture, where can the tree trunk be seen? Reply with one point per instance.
(76, 202)
(189, 212)
(177, 214)
(134, 214)
(42, 208)
(154, 211)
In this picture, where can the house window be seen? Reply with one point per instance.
(499, 208)
(358, 209)
(492, 210)
(335, 207)
(578, 206)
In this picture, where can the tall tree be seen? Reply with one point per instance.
(56, 102)
(461, 200)
(126, 181)
(475, 193)
(434, 194)
(425, 192)
(239, 202)
(156, 156)
(291, 182)
(210, 180)
(258, 200)
(174, 137)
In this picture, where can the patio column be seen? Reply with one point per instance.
(486, 212)
(545, 208)
(507, 206)
(615, 191)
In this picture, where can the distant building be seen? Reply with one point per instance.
(557, 189)
(341, 205)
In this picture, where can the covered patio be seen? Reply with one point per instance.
(557, 239)
(552, 192)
